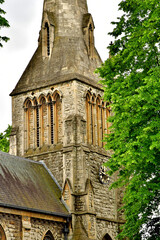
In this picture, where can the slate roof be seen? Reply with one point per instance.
(28, 185)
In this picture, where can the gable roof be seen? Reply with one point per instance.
(28, 185)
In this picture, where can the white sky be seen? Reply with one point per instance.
(24, 17)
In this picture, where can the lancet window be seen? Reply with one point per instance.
(47, 36)
(51, 120)
(36, 124)
(43, 121)
(48, 236)
(97, 113)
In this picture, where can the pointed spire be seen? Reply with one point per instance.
(66, 47)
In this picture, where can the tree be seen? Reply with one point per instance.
(3, 23)
(131, 80)
(4, 139)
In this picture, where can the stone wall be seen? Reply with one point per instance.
(74, 159)
(18, 227)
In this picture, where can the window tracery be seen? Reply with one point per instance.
(43, 121)
(96, 115)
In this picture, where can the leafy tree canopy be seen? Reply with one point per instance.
(131, 79)
(4, 139)
(3, 23)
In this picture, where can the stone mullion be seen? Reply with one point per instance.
(55, 122)
(91, 122)
(103, 123)
(40, 125)
(88, 120)
(34, 128)
(52, 122)
(94, 124)
(48, 123)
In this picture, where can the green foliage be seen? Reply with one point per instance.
(3, 23)
(131, 79)
(4, 139)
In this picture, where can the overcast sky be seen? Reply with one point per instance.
(24, 17)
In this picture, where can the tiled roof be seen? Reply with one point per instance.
(28, 185)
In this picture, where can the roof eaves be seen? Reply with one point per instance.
(35, 210)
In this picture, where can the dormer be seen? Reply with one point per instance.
(47, 34)
(88, 32)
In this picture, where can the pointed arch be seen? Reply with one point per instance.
(36, 123)
(29, 122)
(93, 120)
(48, 236)
(50, 120)
(88, 116)
(2, 234)
(57, 117)
(107, 237)
(43, 120)
(47, 38)
(98, 119)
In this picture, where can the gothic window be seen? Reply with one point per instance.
(51, 120)
(29, 123)
(97, 113)
(98, 120)
(43, 121)
(58, 118)
(48, 236)
(89, 117)
(37, 124)
(47, 38)
(2, 234)
(91, 41)
(107, 237)
(93, 120)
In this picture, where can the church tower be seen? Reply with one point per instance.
(59, 117)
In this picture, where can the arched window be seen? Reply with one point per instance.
(93, 120)
(58, 118)
(2, 234)
(43, 121)
(47, 38)
(48, 236)
(91, 40)
(51, 120)
(89, 117)
(29, 123)
(107, 237)
(37, 124)
(98, 120)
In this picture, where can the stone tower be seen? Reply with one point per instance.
(59, 118)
